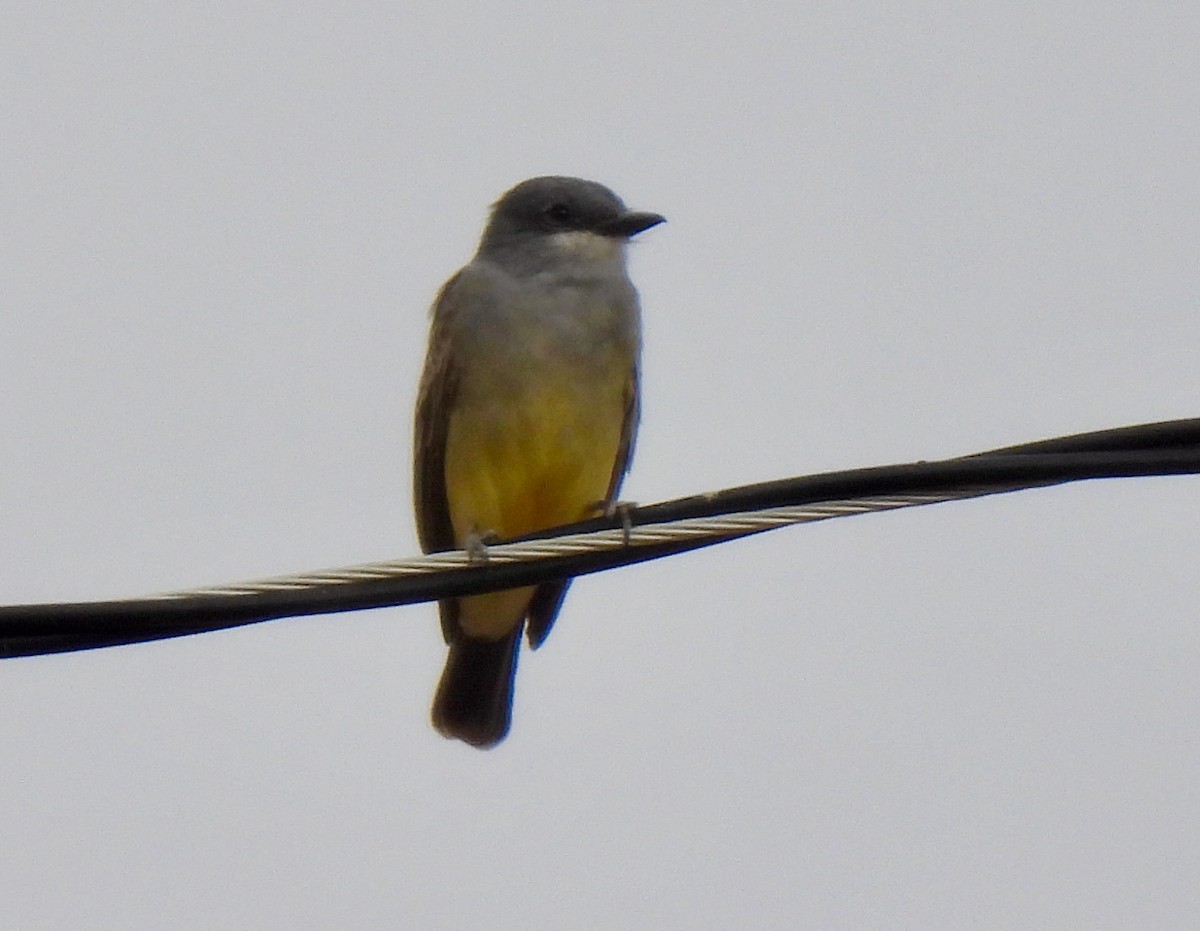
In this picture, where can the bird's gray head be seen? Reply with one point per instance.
(561, 220)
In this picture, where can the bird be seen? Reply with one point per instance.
(525, 419)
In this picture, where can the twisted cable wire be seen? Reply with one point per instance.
(645, 533)
(724, 526)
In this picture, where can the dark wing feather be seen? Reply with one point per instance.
(435, 399)
(633, 410)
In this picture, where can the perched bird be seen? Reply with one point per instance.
(526, 417)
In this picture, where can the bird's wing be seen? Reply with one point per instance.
(629, 427)
(435, 399)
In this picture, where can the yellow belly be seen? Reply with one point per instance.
(523, 462)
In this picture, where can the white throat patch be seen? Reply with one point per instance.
(588, 246)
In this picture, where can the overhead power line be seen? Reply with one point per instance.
(643, 533)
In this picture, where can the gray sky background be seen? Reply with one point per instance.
(896, 232)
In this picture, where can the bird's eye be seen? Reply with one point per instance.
(558, 214)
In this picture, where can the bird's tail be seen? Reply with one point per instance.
(474, 698)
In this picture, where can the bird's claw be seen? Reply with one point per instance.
(477, 546)
(622, 509)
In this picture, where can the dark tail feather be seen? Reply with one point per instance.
(474, 699)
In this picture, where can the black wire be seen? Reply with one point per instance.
(1168, 448)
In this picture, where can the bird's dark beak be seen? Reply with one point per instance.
(630, 223)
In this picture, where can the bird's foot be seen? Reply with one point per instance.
(477, 545)
(622, 509)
